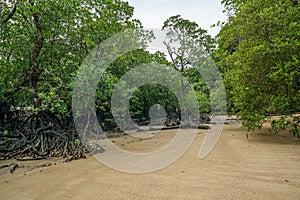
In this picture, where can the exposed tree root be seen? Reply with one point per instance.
(38, 136)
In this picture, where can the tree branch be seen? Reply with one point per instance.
(170, 53)
(11, 14)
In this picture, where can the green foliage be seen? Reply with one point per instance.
(259, 57)
(149, 95)
(200, 89)
(195, 46)
(70, 29)
(287, 123)
(142, 99)
(77, 141)
(195, 43)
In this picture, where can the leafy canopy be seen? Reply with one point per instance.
(259, 56)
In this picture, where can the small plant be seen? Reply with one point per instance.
(77, 141)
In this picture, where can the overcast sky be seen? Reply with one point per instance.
(152, 13)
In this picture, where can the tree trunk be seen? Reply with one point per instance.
(35, 72)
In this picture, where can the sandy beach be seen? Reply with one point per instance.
(267, 167)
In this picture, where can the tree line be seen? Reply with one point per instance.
(43, 43)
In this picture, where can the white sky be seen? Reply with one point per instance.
(152, 13)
